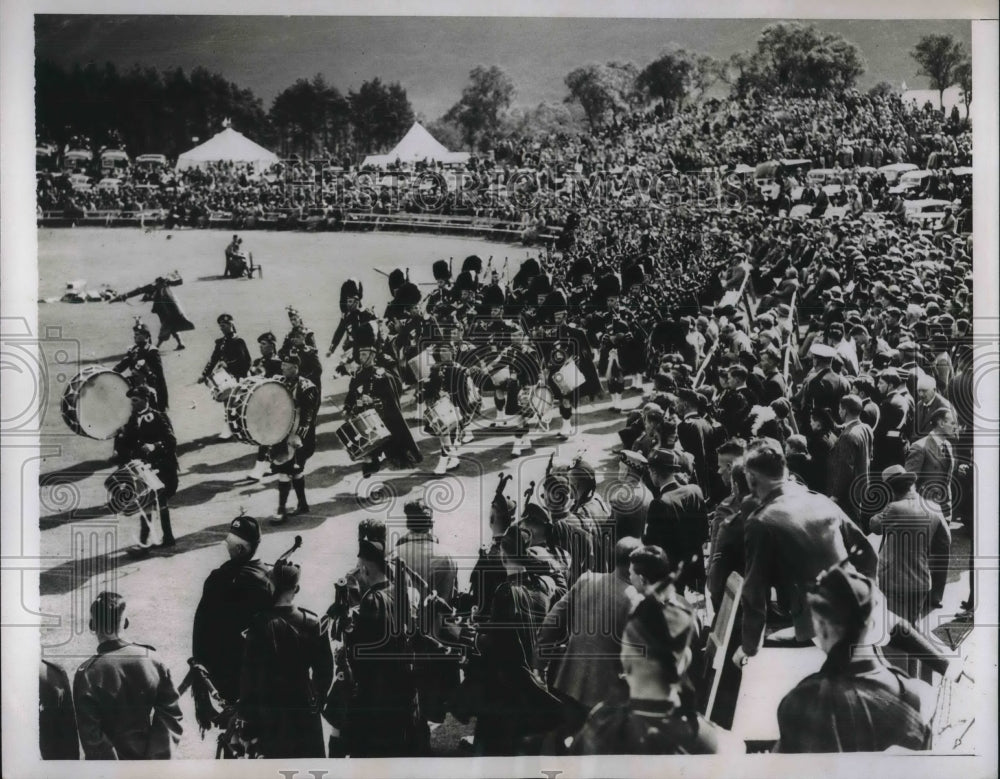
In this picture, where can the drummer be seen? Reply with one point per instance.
(149, 437)
(305, 397)
(143, 364)
(352, 317)
(452, 381)
(569, 342)
(268, 365)
(230, 355)
(376, 387)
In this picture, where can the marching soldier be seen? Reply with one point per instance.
(301, 443)
(301, 343)
(233, 593)
(143, 365)
(298, 327)
(230, 354)
(126, 704)
(352, 316)
(376, 387)
(286, 675)
(569, 342)
(148, 436)
(447, 379)
(442, 293)
(268, 365)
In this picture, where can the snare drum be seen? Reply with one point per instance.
(500, 377)
(132, 488)
(260, 411)
(421, 364)
(568, 377)
(536, 401)
(363, 434)
(441, 416)
(95, 403)
(222, 383)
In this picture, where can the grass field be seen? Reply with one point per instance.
(82, 544)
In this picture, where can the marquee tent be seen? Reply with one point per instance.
(227, 146)
(417, 145)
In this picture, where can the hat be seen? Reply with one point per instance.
(897, 473)
(635, 461)
(396, 280)
(465, 282)
(224, 318)
(822, 351)
(351, 288)
(408, 294)
(140, 327)
(665, 460)
(890, 375)
(843, 595)
(472, 263)
(246, 528)
(143, 391)
(371, 549)
(364, 337)
(906, 346)
(555, 301)
(267, 337)
(689, 396)
(771, 351)
(441, 270)
(664, 630)
(292, 359)
(493, 297)
(106, 611)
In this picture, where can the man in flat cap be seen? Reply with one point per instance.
(855, 685)
(677, 519)
(232, 594)
(126, 704)
(434, 568)
(913, 558)
(286, 674)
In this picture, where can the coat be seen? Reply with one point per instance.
(791, 538)
(852, 704)
(57, 739)
(933, 460)
(677, 521)
(590, 619)
(913, 557)
(126, 704)
(847, 468)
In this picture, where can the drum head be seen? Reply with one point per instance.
(102, 407)
(268, 414)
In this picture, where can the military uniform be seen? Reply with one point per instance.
(640, 727)
(382, 388)
(231, 350)
(126, 704)
(57, 738)
(145, 366)
(286, 675)
(232, 594)
(306, 399)
(382, 717)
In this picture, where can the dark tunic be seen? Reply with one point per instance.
(144, 366)
(126, 704)
(286, 675)
(645, 728)
(677, 521)
(851, 705)
(231, 350)
(233, 593)
(151, 427)
(57, 739)
(383, 387)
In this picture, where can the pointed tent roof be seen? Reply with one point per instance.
(417, 145)
(227, 146)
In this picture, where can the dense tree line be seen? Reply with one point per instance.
(166, 112)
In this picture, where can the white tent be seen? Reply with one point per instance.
(417, 145)
(227, 146)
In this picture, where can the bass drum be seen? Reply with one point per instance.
(95, 403)
(260, 411)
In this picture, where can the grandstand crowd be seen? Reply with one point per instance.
(806, 388)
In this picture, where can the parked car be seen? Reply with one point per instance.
(928, 213)
(108, 184)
